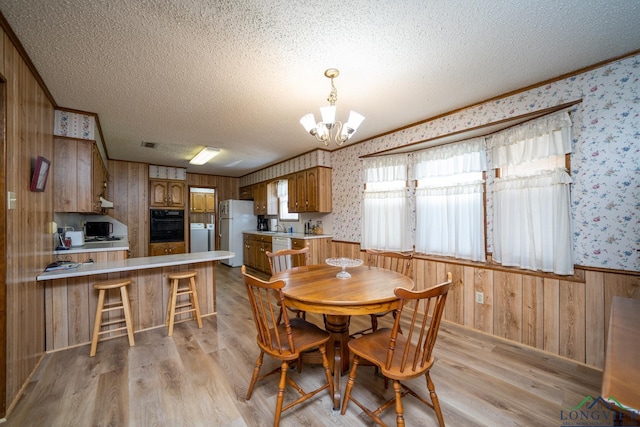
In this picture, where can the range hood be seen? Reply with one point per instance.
(105, 204)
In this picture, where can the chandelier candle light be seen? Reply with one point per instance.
(329, 129)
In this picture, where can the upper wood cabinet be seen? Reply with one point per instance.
(310, 190)
(80, 176)
(265, 198)
(166, 193)
(246, 192)
(260, 198)
(202, 202)
(209, 203)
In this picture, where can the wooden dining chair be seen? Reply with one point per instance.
(400, 262)
(403, 356)
(283, 341)
(285, 259)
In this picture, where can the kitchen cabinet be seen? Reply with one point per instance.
(260, 199)
(246, 192)
(310, 190)
(202, 202)
(209, 203)
(255, 247)
(265, 198)
(79, 176)
(319, 248)
(166, 193)
(167, 248)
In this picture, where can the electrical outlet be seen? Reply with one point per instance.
(479, 297)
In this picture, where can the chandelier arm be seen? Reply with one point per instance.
(339, 140)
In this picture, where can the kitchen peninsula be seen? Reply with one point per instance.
(70, 301)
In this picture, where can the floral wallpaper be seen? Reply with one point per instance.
(605, 163)
(74, 125)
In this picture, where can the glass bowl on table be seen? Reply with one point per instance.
(344, 263)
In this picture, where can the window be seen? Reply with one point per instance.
(450, 200)
(532, 220)
(283, 202)
(385, 222)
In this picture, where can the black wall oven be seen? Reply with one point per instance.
(166, 226)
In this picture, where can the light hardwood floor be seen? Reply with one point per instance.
(199, 377)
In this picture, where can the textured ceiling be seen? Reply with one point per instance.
(238, 75)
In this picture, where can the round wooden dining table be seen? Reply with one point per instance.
(316, 289)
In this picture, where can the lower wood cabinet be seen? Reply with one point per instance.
(319, 248)
(255, 248)
(167, 248)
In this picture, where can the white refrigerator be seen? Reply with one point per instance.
(235, 216)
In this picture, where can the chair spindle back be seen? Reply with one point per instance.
(420, 312)
(264, 298)
(287, 258)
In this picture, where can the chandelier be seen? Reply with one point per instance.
(329, 129)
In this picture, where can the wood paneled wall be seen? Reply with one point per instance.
(29, 133)
(226, 187)
(569, 318)
(129, 191)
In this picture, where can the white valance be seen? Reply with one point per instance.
(540, 138)
(451, 159)
(452, 190)
(385, 168)
(541, 179)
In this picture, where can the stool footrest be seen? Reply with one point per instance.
(112, 330)
(106, 309)
(113, 322)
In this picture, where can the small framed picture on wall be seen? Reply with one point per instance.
(40, 174)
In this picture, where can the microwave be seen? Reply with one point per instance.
(98, 229)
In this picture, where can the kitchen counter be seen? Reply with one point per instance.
(136, 264)
(70, 299)
(290, 235)
(103, 246)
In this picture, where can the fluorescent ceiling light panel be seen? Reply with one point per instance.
(204, 156)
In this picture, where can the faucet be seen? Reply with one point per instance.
(284, 229)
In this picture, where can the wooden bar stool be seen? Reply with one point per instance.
(123, 305)
(175, 292)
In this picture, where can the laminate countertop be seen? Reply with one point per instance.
(290, 235)
(136, 264)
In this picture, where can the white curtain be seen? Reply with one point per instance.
(532, 222)
(283, 188)
(450, 200)
(385, 222)
(532, 219)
